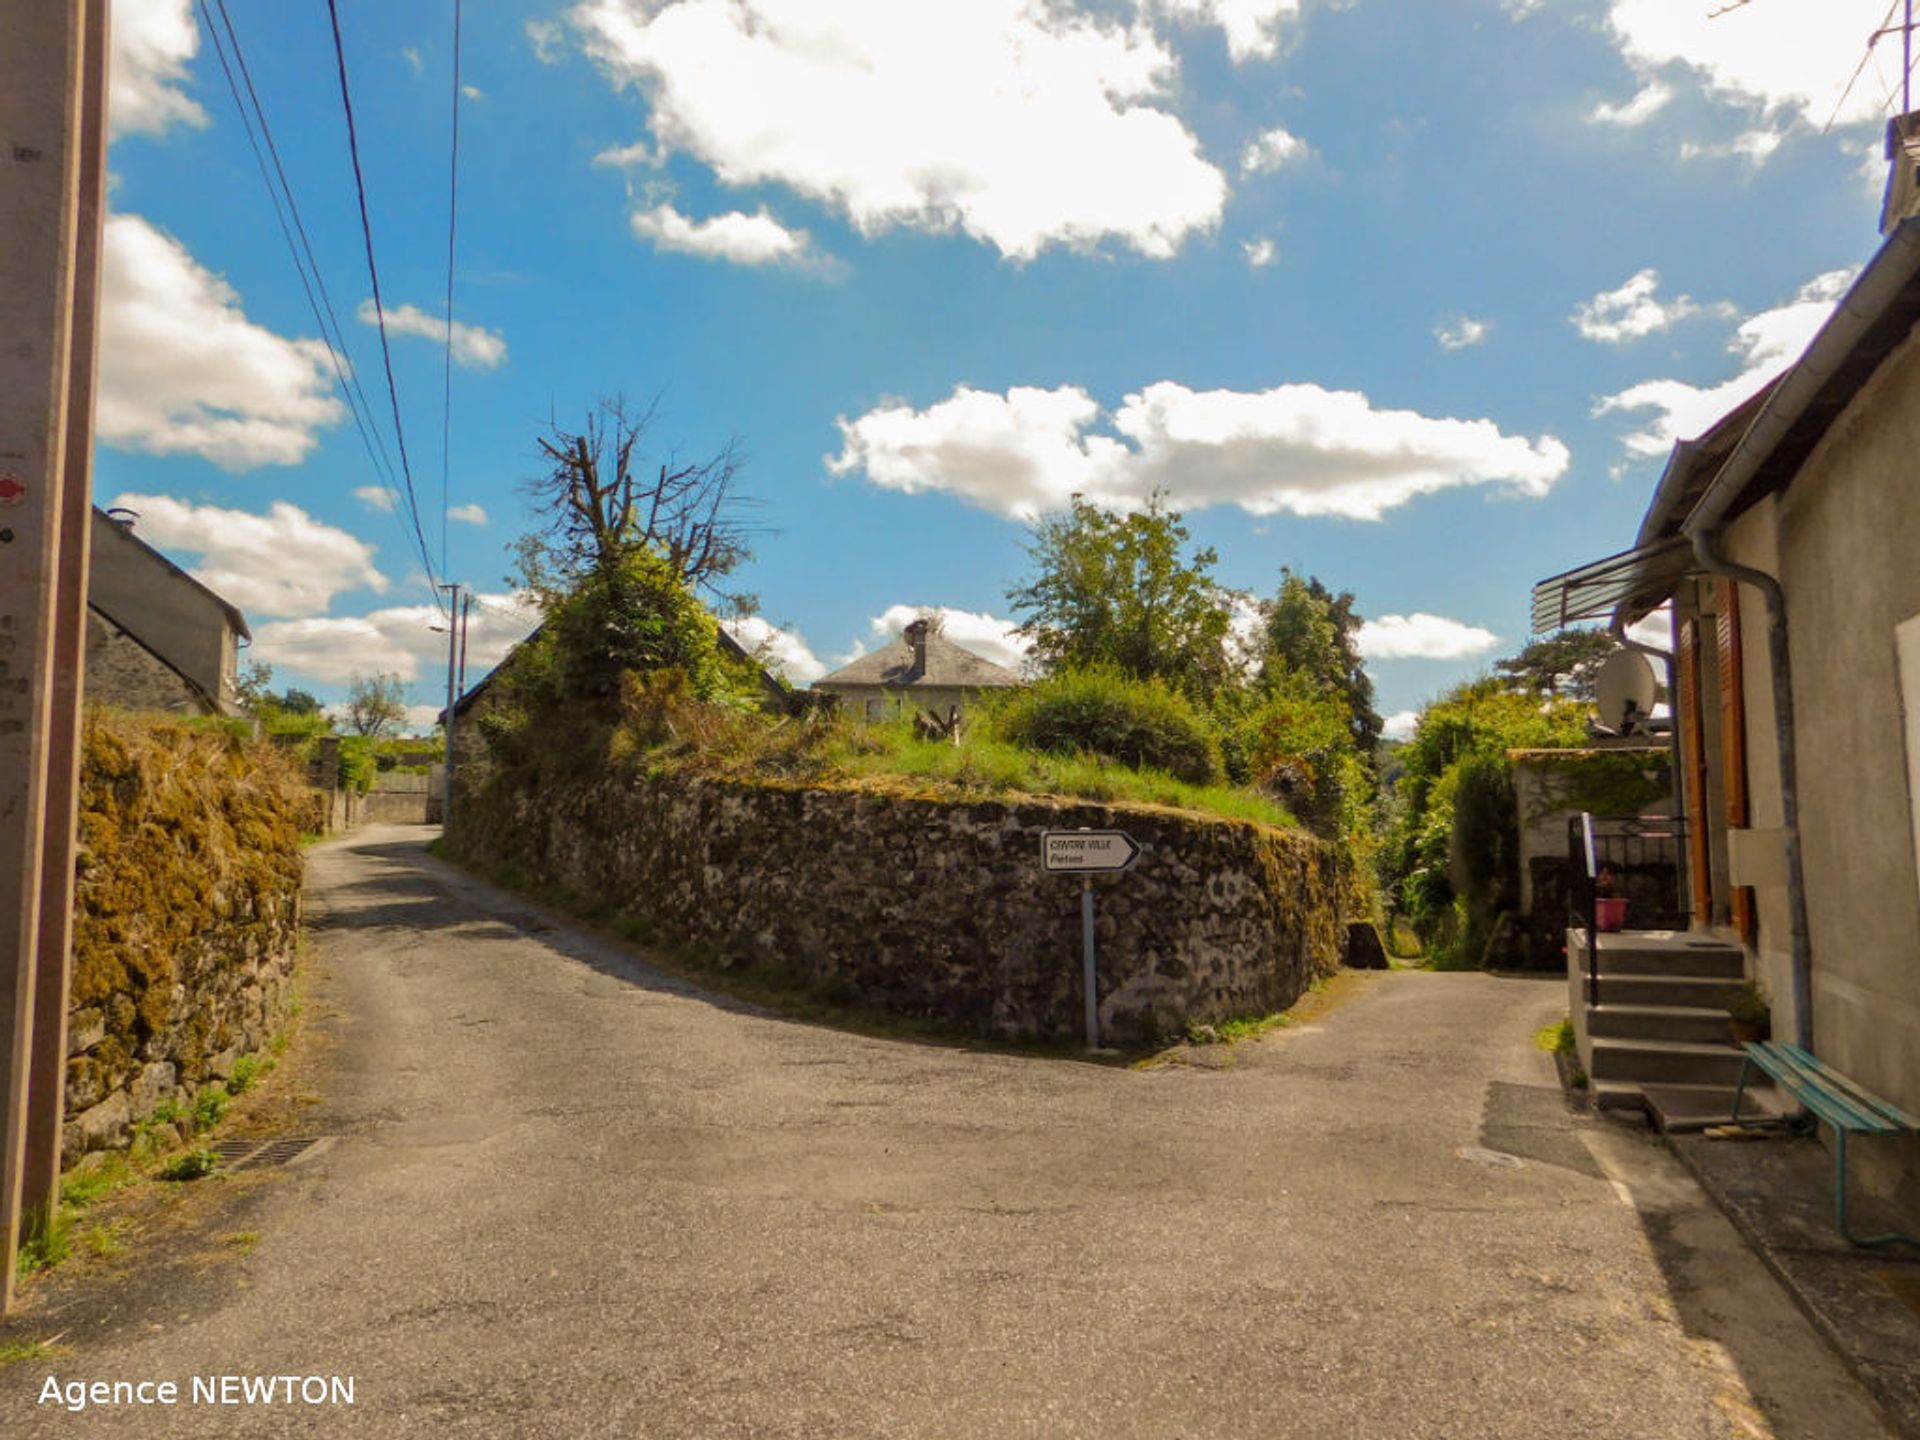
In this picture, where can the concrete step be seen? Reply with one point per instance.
(1684, 1109)
(1665, 1062)
(1696, 991)
(1701, 1024)
(1708, 959)
(1616, 1095)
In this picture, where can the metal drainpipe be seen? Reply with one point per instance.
(1706, 548)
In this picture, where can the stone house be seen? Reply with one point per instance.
(1784, 539)
(157, 639)
(920, 670)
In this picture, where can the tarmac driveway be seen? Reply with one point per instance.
(572, 1197)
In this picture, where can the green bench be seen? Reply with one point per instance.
(1836, 1100)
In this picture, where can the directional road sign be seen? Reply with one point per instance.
(1087, 851)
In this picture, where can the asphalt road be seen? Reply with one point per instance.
(572, 1197)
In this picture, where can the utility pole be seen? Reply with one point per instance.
(52, 116)
(453, 666)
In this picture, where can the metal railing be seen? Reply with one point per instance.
(1640, 859)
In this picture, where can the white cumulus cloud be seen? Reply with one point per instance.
(1631, 312)
(474, 514)
(743, 239)
(398, 640)
(1766, 56)
(1252, 27)
(1299, 448)
(1260, 253)
(1764, 344)
(1272, 150)
(1647, 102)
(152, 41)
(1423, 637)
(1401, 724)
(283, 562)
(1021, 124)
(785, 652)
(375, 497)
(182, 369)
(474, 346)
(1460, 332)
(547, 39)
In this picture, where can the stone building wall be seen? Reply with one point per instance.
(122, 672)
(186, 913)
(933, 908)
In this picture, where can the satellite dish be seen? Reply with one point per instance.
(1626, 678)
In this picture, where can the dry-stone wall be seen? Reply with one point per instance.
(186, 911)
(935, 908)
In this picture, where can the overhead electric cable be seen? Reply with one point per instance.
(379, 305)
(1865, 56)
(453, 212)
(307, 268)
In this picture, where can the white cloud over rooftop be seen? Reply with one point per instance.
(1300, 449)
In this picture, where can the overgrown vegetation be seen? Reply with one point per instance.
(1450, 835)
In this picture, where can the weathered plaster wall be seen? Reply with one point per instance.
(1849, 529)
(934, 908)
(186, 909)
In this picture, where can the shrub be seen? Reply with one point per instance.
(1138, 723)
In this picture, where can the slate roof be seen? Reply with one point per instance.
(949, 667)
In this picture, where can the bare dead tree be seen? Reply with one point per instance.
(602, 499)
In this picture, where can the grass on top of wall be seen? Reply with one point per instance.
(994, 767)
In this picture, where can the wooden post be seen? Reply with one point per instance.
(42, 43)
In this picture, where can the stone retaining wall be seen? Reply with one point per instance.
(186, 913)
(934, 908)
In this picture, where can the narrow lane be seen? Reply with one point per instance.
(573, 1197)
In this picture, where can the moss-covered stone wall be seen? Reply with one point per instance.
(929, 907)
(186, 914)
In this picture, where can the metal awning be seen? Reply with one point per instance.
(1635, 579)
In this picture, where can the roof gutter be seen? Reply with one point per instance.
(1890, 272)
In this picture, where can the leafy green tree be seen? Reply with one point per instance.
(1308, 630)
(1564, 663)
(1121, 591)
(376, 705)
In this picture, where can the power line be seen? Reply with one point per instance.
(379, 305)
(1865, 56)
(453, 211)
(307, 268)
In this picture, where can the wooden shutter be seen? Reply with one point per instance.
(1733, 740)
(1693, 763)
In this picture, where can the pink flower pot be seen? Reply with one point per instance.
(1610, 913)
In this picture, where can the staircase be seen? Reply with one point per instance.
(1658, 1040)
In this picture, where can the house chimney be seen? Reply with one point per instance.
(1903, 176)
(916, 635)
(123, 517)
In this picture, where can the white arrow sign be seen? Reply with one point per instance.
(1087, 851)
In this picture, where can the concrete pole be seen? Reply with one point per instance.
(47, 1080)
(41, 49)
(453, 666)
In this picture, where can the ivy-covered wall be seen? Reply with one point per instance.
(186, 912)
(933, 907)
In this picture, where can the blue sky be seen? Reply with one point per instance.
(1411, 298)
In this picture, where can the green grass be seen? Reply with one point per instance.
(45, 1245)
(209, 1106)
(246, 1070)
(994, 767)
(98, 1178)
(1556, 1039)
(15, 1352)
(191, 1165)
(1241, 1027)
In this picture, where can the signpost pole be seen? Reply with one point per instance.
(1088, 967)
